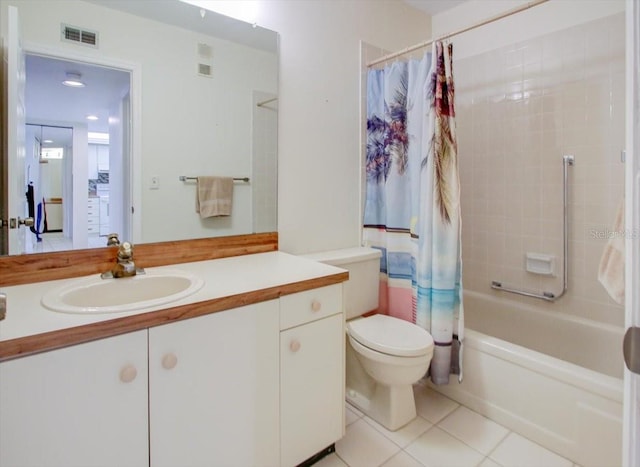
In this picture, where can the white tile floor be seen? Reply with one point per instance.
(56, 241)
(444, 434)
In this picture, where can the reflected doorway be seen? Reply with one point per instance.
(78, 139)
(47, 150)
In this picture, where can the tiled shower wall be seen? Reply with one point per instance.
(519, 110)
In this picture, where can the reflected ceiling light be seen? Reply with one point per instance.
(93, 118)
(73, 80)
(48, 141)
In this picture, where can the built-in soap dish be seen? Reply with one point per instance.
(539, 263)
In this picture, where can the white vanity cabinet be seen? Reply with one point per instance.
(311, 372)
(83, 405)
(256, 385)
(213, 389)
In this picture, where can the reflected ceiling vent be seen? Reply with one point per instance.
(79, 35)
(205, 60)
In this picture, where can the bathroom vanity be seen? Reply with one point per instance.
(248, 370)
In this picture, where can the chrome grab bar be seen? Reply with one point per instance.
(567, 160)
(548, 296)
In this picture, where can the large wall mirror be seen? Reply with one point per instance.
(166, 92)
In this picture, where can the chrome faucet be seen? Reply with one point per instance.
(125, 267)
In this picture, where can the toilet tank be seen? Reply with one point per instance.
(363, 264)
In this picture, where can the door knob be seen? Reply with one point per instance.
(27, 222)
(15, 223)
(631, 349)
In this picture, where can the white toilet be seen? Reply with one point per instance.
(385, 356)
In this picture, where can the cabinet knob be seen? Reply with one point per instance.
(128, 373)
(316, 305)
(294, 345)
(169, 361)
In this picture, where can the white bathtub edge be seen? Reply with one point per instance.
(583, 378)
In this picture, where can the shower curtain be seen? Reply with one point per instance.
(412, 210)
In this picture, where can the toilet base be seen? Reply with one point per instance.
(391, 406)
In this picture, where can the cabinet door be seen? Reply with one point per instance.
(213, 396)
(102, 152)
(92, 161)
(311, 388)
(84, 405)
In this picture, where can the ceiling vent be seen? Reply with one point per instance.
(79, 36)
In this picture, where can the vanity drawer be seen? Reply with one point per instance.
(310, 305)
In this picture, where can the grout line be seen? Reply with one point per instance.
(338, 456)
(467, 444)
(390, 457)
(498, 444)
(409, 454)
(375, 425)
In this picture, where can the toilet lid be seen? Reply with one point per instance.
(391, 336)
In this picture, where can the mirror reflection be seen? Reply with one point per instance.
(196, 103)
(97, 156)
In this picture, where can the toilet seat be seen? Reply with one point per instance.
(391, 336)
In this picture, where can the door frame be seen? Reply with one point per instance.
(13, 128)
(631, 402)
(132, 199)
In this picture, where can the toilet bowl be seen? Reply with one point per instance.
(385, 356)
(394, 354)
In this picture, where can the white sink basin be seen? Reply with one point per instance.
(96, 295)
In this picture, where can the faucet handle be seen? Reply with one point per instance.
(112, 239)
(125, 251)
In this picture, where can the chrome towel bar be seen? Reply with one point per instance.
(184, 178)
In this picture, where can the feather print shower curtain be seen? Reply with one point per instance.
(412, 209)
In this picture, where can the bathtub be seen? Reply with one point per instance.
(553, 378)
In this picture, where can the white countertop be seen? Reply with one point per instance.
(222, 278)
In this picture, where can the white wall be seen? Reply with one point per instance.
(79, 169)
(119, 195)
(319, 105)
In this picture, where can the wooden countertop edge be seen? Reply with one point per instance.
(39, 267)
(29, 345)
